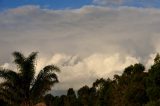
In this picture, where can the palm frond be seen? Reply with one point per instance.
(23, 86)
(44, 81)
(6, 98)
(52, 77)
(8, 75)
(51, 68)
(9, 95)
(29, 65)
(32, 56)
(10, 86)
(19, 60)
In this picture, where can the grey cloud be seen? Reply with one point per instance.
(81, 35)
(108, 2)
(133, 3)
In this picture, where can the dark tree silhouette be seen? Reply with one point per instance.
(136, 86)
(22, 87)
(49, 99)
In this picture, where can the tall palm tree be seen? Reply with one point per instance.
(22, 87)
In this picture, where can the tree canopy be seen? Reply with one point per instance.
(136, 86)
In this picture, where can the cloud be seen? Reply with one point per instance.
(131, 3)
(5, 65)
(78, 71)
(87, 43)
(108, 2)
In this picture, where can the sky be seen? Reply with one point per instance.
(87, 39)
(72, 4)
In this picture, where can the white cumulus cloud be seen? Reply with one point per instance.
(77, 71)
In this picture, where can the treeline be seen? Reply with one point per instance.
(135, 87)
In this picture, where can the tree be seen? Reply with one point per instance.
(129, 89)
(83, 96)
(71, 95)
(153, 80)
(49, 99)
(104, 91)
(22, 87)
(3, 103)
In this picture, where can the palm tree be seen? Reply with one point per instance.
(22, 87)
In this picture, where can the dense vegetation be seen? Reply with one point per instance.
(136, 86)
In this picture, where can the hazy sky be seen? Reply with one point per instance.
(87, 39)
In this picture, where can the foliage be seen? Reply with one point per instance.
(136, 86)
(22, 87)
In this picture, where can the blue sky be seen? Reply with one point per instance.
(53, 4)
(144, 3)
(65, 4)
